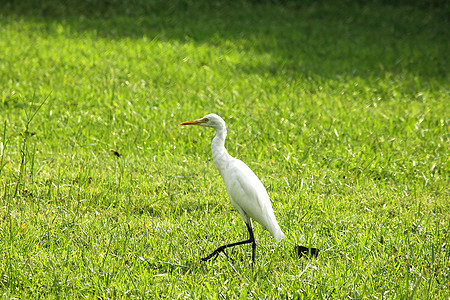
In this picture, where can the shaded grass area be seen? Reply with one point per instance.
(322, 39)
(341, 111)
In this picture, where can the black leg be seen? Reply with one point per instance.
(252, 238)
(222, 248)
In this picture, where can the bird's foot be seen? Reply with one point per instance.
(215, 254)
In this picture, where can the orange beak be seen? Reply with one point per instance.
(195, 122)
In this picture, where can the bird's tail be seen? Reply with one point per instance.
(277, 233)
(275, 229)
(269, 222)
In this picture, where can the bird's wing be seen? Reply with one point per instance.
(248, 194)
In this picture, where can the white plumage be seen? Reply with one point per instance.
(249, 196)
(245, 190)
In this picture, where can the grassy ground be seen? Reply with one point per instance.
(342, 111)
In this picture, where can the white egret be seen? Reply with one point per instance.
(246, 192)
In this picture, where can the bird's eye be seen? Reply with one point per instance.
(206, 119)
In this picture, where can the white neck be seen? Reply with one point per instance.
(219, 153)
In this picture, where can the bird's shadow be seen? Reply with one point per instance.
(189, 266)
(169, 267)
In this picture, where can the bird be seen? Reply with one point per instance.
(246, 192)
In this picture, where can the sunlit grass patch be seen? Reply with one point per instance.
(341, 112)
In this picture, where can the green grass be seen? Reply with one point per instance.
(340, 109)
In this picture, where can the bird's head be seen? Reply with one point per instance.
(210, 120)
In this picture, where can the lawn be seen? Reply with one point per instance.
(340, 108)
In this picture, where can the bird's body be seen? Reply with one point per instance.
(246, 192)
